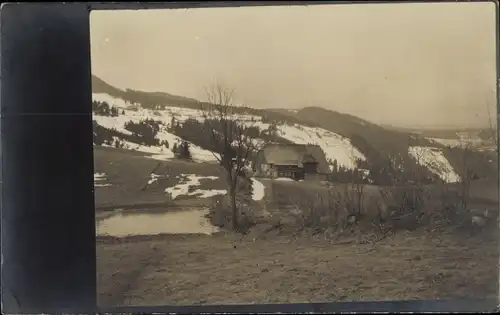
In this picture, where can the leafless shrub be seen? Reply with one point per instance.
(450, 210)
(352, 198)
(317, 213)
(221, 215)
(334, 210)
(402, 208)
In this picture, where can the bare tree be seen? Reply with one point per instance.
(418, 191)
(466, 176)
(491, 129)
(231, 145)
(494, 133)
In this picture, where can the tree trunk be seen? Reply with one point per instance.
(232, 196)
(234, 209)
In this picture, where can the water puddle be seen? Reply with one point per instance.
(147, 223)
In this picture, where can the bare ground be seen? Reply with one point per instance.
(230, 269)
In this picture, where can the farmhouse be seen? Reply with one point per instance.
(295, 161)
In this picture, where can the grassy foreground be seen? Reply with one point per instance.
(229, 269)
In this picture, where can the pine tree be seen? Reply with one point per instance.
(172, 123)
(185, 151)
(335, 166)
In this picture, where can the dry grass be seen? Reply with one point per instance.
(378, 208)
(129, 172)
(224, 269)
(272, 265)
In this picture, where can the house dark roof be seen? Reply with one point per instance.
(295, 154)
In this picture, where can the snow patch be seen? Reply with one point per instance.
(193, 180)
(284, 179)
(155, 178)
(162, 157)
(99, 178)
(258, 190)
(102, 185)
(113, 101)
(209, 193)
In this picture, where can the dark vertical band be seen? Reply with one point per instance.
(48, 229)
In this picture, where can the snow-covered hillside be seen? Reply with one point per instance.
(335, 146)
(130, 112)
(435, 161)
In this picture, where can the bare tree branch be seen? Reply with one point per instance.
(230, 141)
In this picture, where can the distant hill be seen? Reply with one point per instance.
(444, 133)
(146, 99)
(350, 126)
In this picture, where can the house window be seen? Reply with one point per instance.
(286, 174)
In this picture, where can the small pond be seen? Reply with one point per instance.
(127, 223)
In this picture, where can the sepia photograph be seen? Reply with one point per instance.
(295, 154)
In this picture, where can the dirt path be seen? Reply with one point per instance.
(222, 269)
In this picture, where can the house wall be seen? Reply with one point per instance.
(310, 168)
(289, 171)
(265, 170)
(274, 171)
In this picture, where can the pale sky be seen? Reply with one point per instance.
(410, 64)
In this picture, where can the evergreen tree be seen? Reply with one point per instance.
(335, 166)
(185, 151)
(172, 123)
